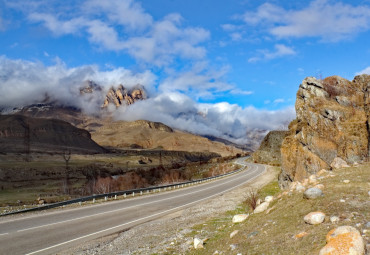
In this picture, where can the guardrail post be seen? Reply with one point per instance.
(133, 194)
(105, 198)
(80, 203)
(141, 193)
(124, 195)
(93, 200)
(115, 197)
(147, 191)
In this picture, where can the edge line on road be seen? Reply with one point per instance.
(130, 207)
(141, 219)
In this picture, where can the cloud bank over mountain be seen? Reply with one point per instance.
(25, 82)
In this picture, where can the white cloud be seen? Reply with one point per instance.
(279, 100)
(280, 51)
(125, 26)
(224, 120)
(25, 82)
(365, 71)
(329, 20)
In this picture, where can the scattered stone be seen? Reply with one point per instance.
(198, 244)
(321, 172)
(270, 209)
(300, 235)
(338, 163)
(234, 233)
(320, 186)
(259, 201)
(269, 199)
(239, 218)
(367, 225)
(233, 247)
(216, 252)
(342, 201)
(300, 187)
(254, 233)
(314, 218)
(346, 181)
(344, 240)
(334, 219)
(312, 179)
(262, 207)
(312, 193)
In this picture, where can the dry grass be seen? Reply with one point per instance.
(273, 233)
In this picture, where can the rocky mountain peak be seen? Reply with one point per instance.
(123, 96)
(332, 121)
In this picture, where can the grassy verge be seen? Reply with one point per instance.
(274, 232)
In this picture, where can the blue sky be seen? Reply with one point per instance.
(245, 55)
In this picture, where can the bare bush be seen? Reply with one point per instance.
(251, 198)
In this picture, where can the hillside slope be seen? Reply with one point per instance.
(151, 135)
(269, 150)
(22, 134)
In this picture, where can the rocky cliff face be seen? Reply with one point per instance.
(333, 117)
(269, 150)
(122, 96)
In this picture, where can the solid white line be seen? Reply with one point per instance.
(3, 234)
(144, 218)
(126, 208)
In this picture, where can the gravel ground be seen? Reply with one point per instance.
(168, 234)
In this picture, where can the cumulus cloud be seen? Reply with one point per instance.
(365, 71)
(280, 51)
(326, 19)
(224, 120)
(124, 26)
(25, 82)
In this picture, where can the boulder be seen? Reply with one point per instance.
(338, 163)
(198, 243)
(312, 193)
(334, 219)
(314, 218)
(344, 240)
(269, 199)
(239, 218)
(234, 233)
(300, 187)
(262, 207)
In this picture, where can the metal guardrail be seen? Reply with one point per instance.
(120, 193)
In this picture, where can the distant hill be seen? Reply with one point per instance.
(150, 135)
(21, 134)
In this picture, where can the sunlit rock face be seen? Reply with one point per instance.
(332, 121)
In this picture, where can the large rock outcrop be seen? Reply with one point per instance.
(333, 117)
(269, 150)
(123, 96)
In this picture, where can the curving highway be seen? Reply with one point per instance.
(52, 232)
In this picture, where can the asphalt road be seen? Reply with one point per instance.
(52, 232)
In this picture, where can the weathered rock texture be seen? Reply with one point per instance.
(332, 121)
(24, 134)
(269, 150)
(122, 96)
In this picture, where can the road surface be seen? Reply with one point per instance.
(52, 232)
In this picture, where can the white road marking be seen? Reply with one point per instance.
(126, 208)
(3, 234)
(144, 218)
